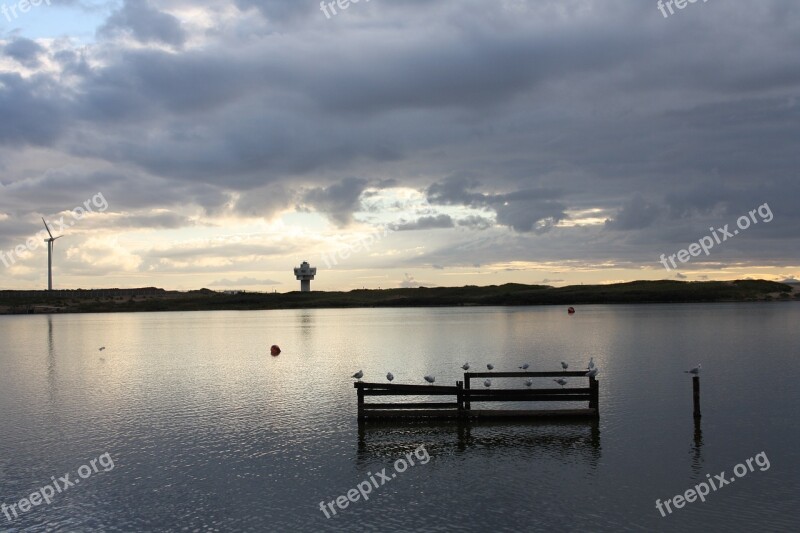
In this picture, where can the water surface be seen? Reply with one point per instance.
(209, 433)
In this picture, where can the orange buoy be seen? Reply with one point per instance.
(571, 310)
(275, 350)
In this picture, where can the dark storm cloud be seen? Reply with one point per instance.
(637, 213)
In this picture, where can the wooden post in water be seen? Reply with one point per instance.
(360, 388)
(696, 395)
(594, 398)
(460, 395)
(467, 403)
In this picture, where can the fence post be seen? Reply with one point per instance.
(696, 395)
(460, 395)
(360, 387)
(467, 403)
(594, 395)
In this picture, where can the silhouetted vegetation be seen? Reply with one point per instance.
(500, 295)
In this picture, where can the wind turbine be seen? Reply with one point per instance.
(50, 242)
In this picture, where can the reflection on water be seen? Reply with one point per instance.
(209, 432)
(563, 440)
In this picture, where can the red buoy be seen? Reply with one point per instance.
(275, 350)
(571, 310)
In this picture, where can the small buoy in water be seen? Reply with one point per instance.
(571, 310)
(275, 350)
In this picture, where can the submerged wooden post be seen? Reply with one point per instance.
(594, 395)
(696, 395)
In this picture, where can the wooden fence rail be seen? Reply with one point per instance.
(464, 396)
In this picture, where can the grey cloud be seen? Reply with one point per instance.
(25, 51)
(145, 23)
(424, 223)
(337, 201)
(636, 214)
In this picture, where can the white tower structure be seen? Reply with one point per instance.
(305, 274)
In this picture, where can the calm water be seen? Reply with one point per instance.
(207, 432)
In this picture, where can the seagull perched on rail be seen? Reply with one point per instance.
(430, 379)
(358, 375)
(561, 381)
(593, 372)
(390, 376)
(695, 371)
(564, 365)
(465, 366)
(591, 363)
(525, 366)
(490, 366)
(487, 383)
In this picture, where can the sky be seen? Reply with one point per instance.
(397, 143)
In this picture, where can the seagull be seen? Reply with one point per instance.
(490, 366)
(101, 348)
(593, 372)
(591, 363)
(561, 381)
(564, 365)
(487, 383)
(695, 371)
(358, 375)
(390, 376)
(465, 366)
(430, 379)
(528, 382)
(525, 366)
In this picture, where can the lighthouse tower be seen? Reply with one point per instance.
(305, 274)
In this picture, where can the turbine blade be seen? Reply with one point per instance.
(47, 228)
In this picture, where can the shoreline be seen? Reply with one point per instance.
(508, 295)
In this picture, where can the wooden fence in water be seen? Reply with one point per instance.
(461, 397)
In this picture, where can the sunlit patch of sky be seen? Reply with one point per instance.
(77, 20)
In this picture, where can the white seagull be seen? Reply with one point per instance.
(430, 379)
(564, 365)
(487, 383)
(561, 381)
(591, 363)
(465, 366)
(358, 375)
(525, 366)
(390, 376)
(528, 382)
(695, 371)
(490, 366)
(593, 372)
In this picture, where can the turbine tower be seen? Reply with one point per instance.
(304, 275)
(49, 242)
